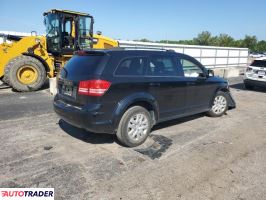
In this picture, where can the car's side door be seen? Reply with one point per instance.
(166, 85)
(199, 90)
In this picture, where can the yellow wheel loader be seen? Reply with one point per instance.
(26, 62)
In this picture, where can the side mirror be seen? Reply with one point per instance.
(210, 72)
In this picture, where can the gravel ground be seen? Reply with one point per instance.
(191, 158)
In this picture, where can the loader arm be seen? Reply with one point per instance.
(34, 45)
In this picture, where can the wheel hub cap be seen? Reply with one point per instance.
(219, 105)
(137, 127)
(27, 74)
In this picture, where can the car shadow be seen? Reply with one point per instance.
(241, 86)
(177, 121)
(161, 143)
(102, 138)
(86, 136)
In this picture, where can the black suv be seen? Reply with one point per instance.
(126, 92)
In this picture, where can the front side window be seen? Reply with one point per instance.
(162, 66)
(190, 68)
(131, 67)
(52, 32)
(52, 25)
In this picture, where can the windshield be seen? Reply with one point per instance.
(259, 63)
(52, 25)
(85, 32)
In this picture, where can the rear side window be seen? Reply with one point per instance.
(134, 66)
(162, 66)
(80, 67)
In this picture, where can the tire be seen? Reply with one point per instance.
(12, 73)
(249, 87)
(219, 105)
(4, 80)
(126, 126)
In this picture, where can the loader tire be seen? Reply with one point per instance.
(25, 74)
(4, 80)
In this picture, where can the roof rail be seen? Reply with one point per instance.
(143, 48)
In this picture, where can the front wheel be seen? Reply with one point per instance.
(134, 126)
(219, 105)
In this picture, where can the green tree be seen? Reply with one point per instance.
(250, 42)
(238, 43)
(204, 38)
(225, 40)
(261, 46)
(145, 40)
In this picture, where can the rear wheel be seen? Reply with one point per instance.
(219, 106)
(134, 126)
(25, 74)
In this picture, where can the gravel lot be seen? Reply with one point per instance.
(191, 158)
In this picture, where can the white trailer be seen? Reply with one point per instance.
(225, 61)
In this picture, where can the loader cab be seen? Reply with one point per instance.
(68, 31)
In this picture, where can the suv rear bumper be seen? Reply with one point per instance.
(255, 82)
(86, 117)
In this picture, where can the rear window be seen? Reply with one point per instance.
(80, 67)
(259, 63)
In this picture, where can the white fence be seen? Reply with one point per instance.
(211, 57)
(226, 61)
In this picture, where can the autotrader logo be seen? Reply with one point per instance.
(27, 193)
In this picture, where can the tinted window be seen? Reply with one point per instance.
(79, 67)
(131, 67)
(66, 27)
(190, 68)
(162, 66)
(259, 63)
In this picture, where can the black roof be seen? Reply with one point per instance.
(130, 50)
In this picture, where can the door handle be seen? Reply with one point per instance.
(155, 84)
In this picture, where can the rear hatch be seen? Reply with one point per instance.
(257, 69)
(81, 67)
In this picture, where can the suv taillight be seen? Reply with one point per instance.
(93, 87)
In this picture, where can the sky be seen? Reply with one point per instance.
(151, 19)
